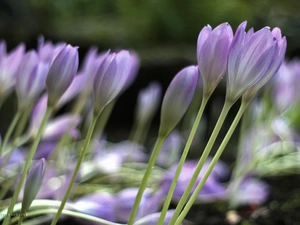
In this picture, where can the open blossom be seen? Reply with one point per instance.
(253, 60)
(212, 51)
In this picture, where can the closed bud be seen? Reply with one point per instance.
(177, 99)
(61, 73)
(33, 183)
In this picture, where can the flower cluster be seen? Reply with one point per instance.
(81, 174)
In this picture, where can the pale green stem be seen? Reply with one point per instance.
(181, 162)
(36, 204)
(69, 213)
(160, 140)
(137, 130)
(212, 164)
(81, 157)
(191, 111)
(20, 220)
(27, 164)
(10, 129)
(21, 125)
(202, 160)
(105, 114)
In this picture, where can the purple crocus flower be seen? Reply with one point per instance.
(124, 203)
(251, 191)
(286, 86)
(148, 102)
(61, 73)
(33, 183)
(212, 189)
(110, 79)
(30, 79)
(100, 205)
(212, 51)
(79, 82)
(177, 99)
(152, 219)
(9, 67)
(59, 126)
(253, 59)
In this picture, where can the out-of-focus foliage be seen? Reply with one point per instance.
(139, 24)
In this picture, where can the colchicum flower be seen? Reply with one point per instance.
(30, 79)
(148, 101)
(253, 59)
(33, 183)
(110, 79)
(212, 51)
(61, 73)
(177, 99)
(9, 66)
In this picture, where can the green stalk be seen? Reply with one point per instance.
(27, 165)
(181, 162)
(10, 129)
(210, 143)
(212, 164)
(160, 140)
(68, 213)
(105, 114)
(81, 157)
(20, 220)
(21, 125)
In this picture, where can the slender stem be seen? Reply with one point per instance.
(202, 160)
(212, 164)
(27, 164)
(10, 129)
(105, 114)
(160, 140)
(81, 157)
(181, 162)
(69, 213)
(20, 220)
(36, 204)
(21, 125)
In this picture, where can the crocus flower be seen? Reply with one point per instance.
(212, 190)
(9, 67)
(61, 73)
(251, 191)
(124, 203)
(286, 86)
(110, 79)
(61, 125)
(177, 99)
(152, 219)
(148, 102)
(73, 90)
(212, 51)
(135, 65)
(30, 79)
(100, 205)
(253, 59)
(33, 183)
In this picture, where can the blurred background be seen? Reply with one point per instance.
(162, 32)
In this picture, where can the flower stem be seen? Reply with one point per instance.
(21, 125)
(10, 130)
(69, 213)
(181, 162)
(160, 140)
(210, 143)
(212, 163)
(81, 157)
(27, 165)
